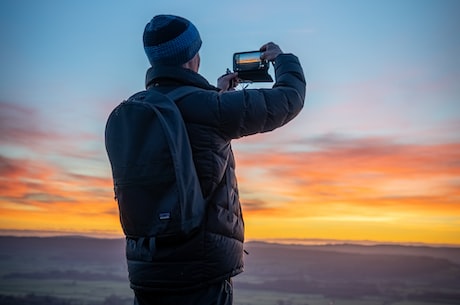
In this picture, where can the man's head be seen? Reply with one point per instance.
(171, 40)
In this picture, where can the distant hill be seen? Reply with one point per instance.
(390, 272)
(81, 247)
(64, 248)
(355, 265)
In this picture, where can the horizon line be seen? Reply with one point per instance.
(281, 241)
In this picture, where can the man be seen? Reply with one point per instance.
(199, 269)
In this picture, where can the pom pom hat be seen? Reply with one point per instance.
(170, 40)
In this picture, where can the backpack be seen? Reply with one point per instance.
(155, 181)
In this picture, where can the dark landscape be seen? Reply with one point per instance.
(89, 271)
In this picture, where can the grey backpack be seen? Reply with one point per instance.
(155, 180)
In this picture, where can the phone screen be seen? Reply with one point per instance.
(248, 61)
(247, 58)
(250, 67)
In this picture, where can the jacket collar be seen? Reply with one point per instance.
(172, 75)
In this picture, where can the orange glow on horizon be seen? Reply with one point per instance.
(363, 191)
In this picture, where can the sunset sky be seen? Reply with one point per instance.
(374, 155)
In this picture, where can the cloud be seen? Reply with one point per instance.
(20, 176)
(27, 128)
(21, 125)
(41, 184)
(40, 195)
(62, 182)
(360, 188)
(347, 175)
(255, 205)
(403, 100)
(52, 178)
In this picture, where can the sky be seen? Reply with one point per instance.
(374, 155)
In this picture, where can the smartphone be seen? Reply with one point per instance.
(248, 61)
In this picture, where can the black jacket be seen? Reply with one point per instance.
(213, 120)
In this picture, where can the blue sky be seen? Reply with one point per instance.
(380, 73)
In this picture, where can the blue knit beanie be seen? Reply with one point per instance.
(170, 40)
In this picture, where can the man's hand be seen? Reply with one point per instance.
(227, 82)
(270, 51)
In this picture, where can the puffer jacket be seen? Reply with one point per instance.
(213, 120)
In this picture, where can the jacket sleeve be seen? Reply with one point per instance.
(251, 111)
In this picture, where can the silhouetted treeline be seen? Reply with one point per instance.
(66, 275)
(32, 299)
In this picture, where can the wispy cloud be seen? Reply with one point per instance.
(21, 125)
(360, 188)
(36, 182)
(372, 174)
(52, 178)
(42, 196)
(28, 128)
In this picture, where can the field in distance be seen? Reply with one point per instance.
(81, 270)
